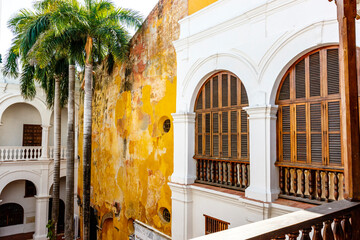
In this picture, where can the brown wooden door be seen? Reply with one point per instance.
(32, 135)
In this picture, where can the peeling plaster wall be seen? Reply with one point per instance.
(132, 156)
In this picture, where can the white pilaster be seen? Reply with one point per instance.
(181, 219)
(264, 176)
(41, 217)
(184, 145)
(45, 141)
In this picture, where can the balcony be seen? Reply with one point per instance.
(16, 153)
(336, 220)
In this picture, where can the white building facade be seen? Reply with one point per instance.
(26, 159)
(257, 42)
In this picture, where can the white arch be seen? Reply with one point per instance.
(51, 177)
(9, 177)
(280, 57)
(45, 113)
(236, 62)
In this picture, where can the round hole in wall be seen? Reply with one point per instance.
(165, 215)
(166, 125)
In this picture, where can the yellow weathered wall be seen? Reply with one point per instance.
(196, 5)
(132, 157)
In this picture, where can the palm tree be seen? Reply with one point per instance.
(105, 36)
(28, 26)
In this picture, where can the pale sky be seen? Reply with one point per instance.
(9, 7)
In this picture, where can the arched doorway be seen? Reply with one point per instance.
(61, 219)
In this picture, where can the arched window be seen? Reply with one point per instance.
(308, 127)
(222, 139)
(11, 214)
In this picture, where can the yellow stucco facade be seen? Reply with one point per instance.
(132, 155)
(196, 5)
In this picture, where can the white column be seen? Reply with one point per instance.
(181, 205)
(264, 176)
(184, 145)
(45, 142)
(41, 217)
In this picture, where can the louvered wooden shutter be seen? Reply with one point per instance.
(285, 89)
(215, 92)
(286, 144)
(224, 90)
(225, 136)
(233, 89)
(199, 102)
(234, 135)
(244, 97)
(332, 71)
(301, 133)
(244, 134)
(316, 132)
(199, 140)
(300, 79)
(314, 74)
(207, 95)
(334, 132)
(207, 134)
(216, 134)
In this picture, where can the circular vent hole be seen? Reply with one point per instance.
(167, 125)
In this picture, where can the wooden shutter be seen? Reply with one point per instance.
(244, 97)
(215, 92)
(215, 134)
(316, 132)
(301, 133)
(300, 79)
(224, 90)
(234, 134)
(207, 134)
(225, 136)
(207, 95)
(334, 132)
(244, 134)
(32, 135)
(199, 139)
(286, 144)
(314, 74)
(332, 71)
(285, 89)
(233, 89)
(199, 102)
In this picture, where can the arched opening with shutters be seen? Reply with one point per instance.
(222, 132)
(308, 128)
(11, 214)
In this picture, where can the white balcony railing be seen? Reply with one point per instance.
(9, 153)
(18, 153)
(62, 152)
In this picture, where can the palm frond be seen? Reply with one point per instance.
(27, 84)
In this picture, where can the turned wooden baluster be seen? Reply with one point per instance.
(281, 176)
(336, 186)
(311, 184)
(225, 173)
(211, 171)
(302, 189)
(197, 170)
(305, 234)
(205, 170)
(328, 233)
(246, 181)
(338, 231)
(220, 172)
(216, 171)
(288, 181)
(327, 193)
(235, 175)
(318, 183)
(317, 232)
(240, 175)
(295, 182)
(293, 236)
(347, 228)
(201, 169)
(232, 174)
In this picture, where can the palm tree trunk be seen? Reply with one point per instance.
(87, 151)
(57, 146)
(69, 205)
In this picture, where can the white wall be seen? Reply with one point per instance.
(63, 128)
(11, 130)
(14, 193)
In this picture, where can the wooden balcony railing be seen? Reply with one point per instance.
(310, 183)
(223, 173)
(337, 220)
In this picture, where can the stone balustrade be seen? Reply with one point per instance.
(19, 153)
